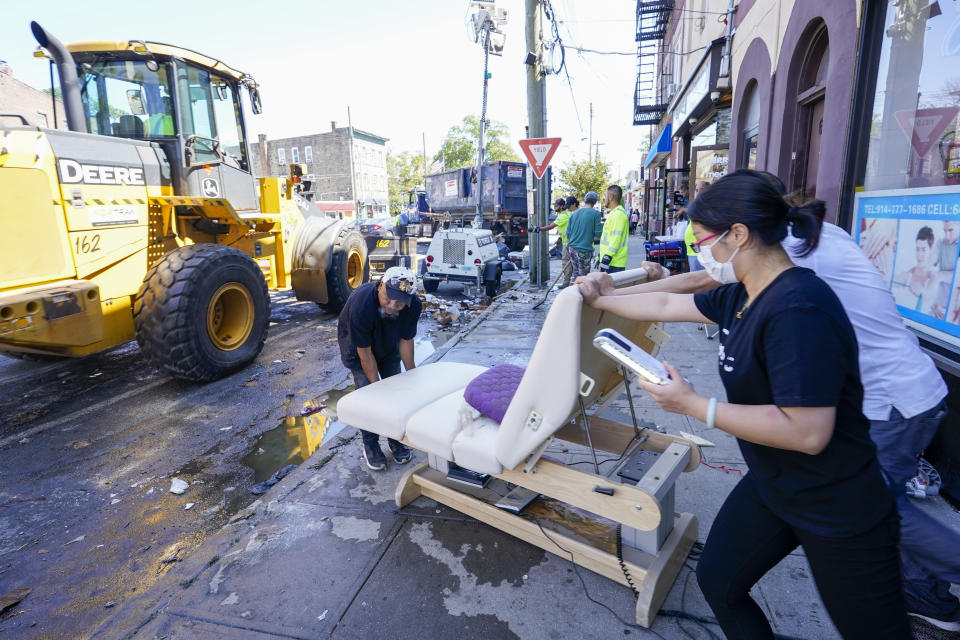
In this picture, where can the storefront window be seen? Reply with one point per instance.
(908, 211)
(707, 136)
(750, 131)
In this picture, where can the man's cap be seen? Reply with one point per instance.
(572, 201)
(591, 197)
(560, 202)
(400, 283)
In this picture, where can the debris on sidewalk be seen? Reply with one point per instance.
(446, 316)
(13, 598)
(262, 487)
(188, 506)
(310, 409)
(178, 486)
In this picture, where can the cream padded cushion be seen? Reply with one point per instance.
(549, 384)
(475, 446)
(433, 428)
(385, 406)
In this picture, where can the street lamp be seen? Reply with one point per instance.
(486, 22)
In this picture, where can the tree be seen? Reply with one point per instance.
(404, 171)
(577, 178)
(459, 147)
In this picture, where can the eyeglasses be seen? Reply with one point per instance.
(696, 245)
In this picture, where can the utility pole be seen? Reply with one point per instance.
(478, 219)
(590, 146)
(596, 152)
(353, 172)
(537, 128)
(424, 137)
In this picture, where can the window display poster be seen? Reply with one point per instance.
(711, 164)
(911, 237)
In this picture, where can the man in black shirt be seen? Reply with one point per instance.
(375, 331)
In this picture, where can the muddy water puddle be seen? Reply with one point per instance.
(298, 436)
(312, 424)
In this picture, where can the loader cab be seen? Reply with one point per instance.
(185, 103)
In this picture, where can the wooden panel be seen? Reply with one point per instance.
(583, 554)
(408, 491)
(576, 487)
(666, 565)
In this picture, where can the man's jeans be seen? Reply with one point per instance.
(386, 370)
(928, 549)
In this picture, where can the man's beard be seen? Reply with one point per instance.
(388, 316)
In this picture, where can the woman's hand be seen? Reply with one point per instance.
(589, 289)
(655, 271)
(677, 396)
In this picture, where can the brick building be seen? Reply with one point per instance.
(19, 97)
(329, 157)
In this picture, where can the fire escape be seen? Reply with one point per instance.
(652, 19)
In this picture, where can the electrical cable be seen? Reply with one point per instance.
(576, 570)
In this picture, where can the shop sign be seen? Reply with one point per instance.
(711, 164)
(911, 237)
(696, 92)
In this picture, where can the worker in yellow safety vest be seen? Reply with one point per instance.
(616, 232)
(563, 217)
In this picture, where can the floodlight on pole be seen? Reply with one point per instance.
(485, 22)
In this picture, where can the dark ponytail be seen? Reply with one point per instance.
(806, 221)
(756, 200)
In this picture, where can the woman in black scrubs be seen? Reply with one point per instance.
(788, 361)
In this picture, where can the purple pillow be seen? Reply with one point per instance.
(490, 392)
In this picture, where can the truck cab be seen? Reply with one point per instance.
(184, 102)
(464, 255)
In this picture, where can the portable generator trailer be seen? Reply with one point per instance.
(144, 219)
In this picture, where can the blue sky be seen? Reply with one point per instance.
(404, 68)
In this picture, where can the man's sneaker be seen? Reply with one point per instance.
(949, 623)
(374, 457)
(400, 453)
(916, 487)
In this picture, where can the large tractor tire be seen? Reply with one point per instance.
(349, 268)
(202, 312)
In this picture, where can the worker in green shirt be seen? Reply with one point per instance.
(583, 229)
(616, 231)
(560, 222)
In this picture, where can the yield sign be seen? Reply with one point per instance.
(924, 126)
(538, 152)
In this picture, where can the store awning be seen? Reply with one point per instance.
(662, 145)
(334, 205)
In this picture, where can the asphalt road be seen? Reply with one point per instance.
(89, 448)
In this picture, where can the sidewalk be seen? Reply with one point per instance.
(326, 553)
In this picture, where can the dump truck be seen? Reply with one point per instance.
(451, 200)
(144, 220)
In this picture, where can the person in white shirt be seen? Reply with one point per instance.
(903, 397)
(680, 228)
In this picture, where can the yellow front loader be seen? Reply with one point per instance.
(144, 220)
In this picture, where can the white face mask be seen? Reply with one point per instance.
(722, 272)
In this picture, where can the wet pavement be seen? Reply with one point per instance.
(89, 449)
(324, 552)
